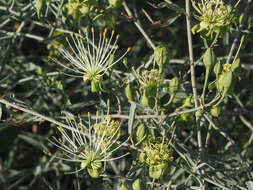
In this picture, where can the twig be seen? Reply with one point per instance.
(193, 82)
(51, 120)
(238, 34)
(138, 26)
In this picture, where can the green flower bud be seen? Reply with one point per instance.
(209, 58)
(141, 132)
(174, 85)
(161, 56)
(96, 86)
(157, 171)
(39, 5)
(138, 185)
(115, 3)
(84, 10)
(123, 187)
(94, 173)
(142, 157)
(195, 29)
(236, 67)
(215, 111)
(217, 69)
(225, 81)
(125, 62)
(148, 101)
(130, 92)
(150, 91)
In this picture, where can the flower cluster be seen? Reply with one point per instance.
(157, 155)
(90, 146)
(89, 60)
(215, 17)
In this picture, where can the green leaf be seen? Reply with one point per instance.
(31, 139)
(249, 185)
(131, 118)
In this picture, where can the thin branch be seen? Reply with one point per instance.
(193, 82)
(130, 14)
(238, 34)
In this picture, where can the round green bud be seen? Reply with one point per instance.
(142, 157)
(39, 6)
(138, 185)
(96, 85)
(209, 58)
(215, 111)
(115, 3)
(217, 69)
(236, 67)
(174, 85)
(157, 171)
(123, 187)
(148, 101)
(150, 91)
(130, 92)
(161, 55)
(225, 81)
(141, 132)
(94, 173)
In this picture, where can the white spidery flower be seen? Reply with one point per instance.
(90, 146)
(88, 60)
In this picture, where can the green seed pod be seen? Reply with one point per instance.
(217, 69)
(130, 92)
(123, 187)
(157, 171)
(141, 132)
(138, 185)
(174, 85)
(215, 111)
(161, 55)
(115, 3)
(236, 67)
(209, 58)
(93, 172)
(39, 5)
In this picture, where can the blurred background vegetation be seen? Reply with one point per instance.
(31, 80)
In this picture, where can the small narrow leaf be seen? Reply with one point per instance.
(131, 118)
